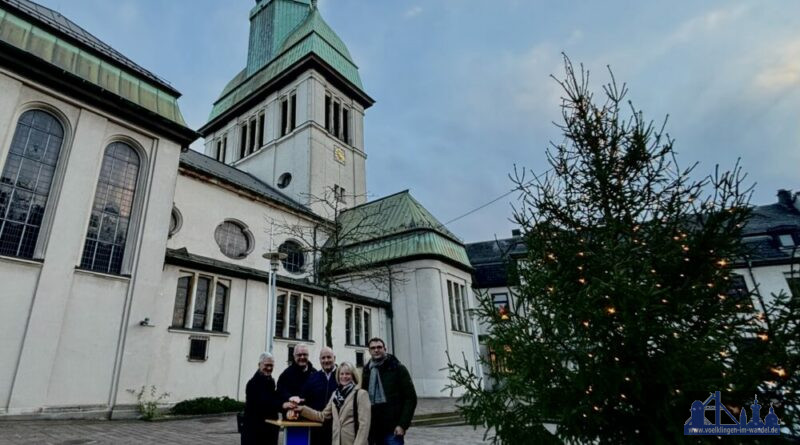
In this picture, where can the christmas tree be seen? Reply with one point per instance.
(622, 314)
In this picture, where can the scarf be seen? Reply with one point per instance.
(341, 393)
(376, 394)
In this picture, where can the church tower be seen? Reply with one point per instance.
(293, 117)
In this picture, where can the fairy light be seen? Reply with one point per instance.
(585, 323)
(763, 336)
(611, 310)
(778, 371)
(582, 280)
(722, 263)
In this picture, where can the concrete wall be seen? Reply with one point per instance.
(68, 325)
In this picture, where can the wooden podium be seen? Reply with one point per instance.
(295, 432)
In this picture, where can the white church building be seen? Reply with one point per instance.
(128, 260)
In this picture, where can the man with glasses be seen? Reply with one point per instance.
(291, 381)
(392, 394)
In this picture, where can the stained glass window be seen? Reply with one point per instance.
(111, 212)
(26, 181)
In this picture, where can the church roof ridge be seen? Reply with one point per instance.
(397, 228)
(60, 23)
(48, 38)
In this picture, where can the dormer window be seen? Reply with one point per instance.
(786, 240)
(337, 118)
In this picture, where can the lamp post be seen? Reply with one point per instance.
(274, 260)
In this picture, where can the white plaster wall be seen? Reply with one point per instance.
(200, 219)
(768, 280)
(19, 283)
(308, 151)
(67, 355)
(423, 337)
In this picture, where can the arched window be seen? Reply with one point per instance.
(234, 240)
(295, 258)
(111, 214)
(26, 181)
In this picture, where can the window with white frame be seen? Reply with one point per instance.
(459, 307)
(109, 222)
(337, 118)
(501, 302)
(358, 325)
(26, 181)
(201, 302)
(294, 315)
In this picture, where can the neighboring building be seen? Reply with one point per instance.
(129, 260)
(772, 264)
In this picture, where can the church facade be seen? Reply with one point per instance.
(128, 260)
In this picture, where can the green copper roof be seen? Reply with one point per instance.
(394, 228)
(278, 40)
(123, 79)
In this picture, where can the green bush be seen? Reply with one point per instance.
(207, 405)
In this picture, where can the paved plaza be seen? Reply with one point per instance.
(217, 430)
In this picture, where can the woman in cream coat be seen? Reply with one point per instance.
(342, 409)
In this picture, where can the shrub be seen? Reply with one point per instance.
(207, 405)
(148, 400)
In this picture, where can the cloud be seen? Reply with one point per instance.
(413, 12)
(708, 22)
(781, 69)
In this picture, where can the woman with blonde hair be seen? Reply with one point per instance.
(349, 409)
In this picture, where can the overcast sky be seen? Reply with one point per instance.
(463, 90)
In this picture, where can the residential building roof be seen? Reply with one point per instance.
(197, 161)
(491, 260)
(290, 32)
(394, 228)
(56, 40)
(760, 238)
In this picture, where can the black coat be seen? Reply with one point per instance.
(262, 403)
(291, 381)
(317, 392)
(401, 397)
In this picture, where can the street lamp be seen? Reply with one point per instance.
(274, 260)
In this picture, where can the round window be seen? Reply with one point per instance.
(233, 239)
(295, 257)
(284, 180)
(175, 221)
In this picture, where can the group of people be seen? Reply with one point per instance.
(377, 410)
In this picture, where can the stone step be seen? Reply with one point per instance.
(438, 419)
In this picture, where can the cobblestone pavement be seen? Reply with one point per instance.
(219, 430)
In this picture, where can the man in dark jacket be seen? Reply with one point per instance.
(318, 391)
(292, 379)
(391, 393)
(262, 403)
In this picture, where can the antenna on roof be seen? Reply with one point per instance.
(313, 4)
